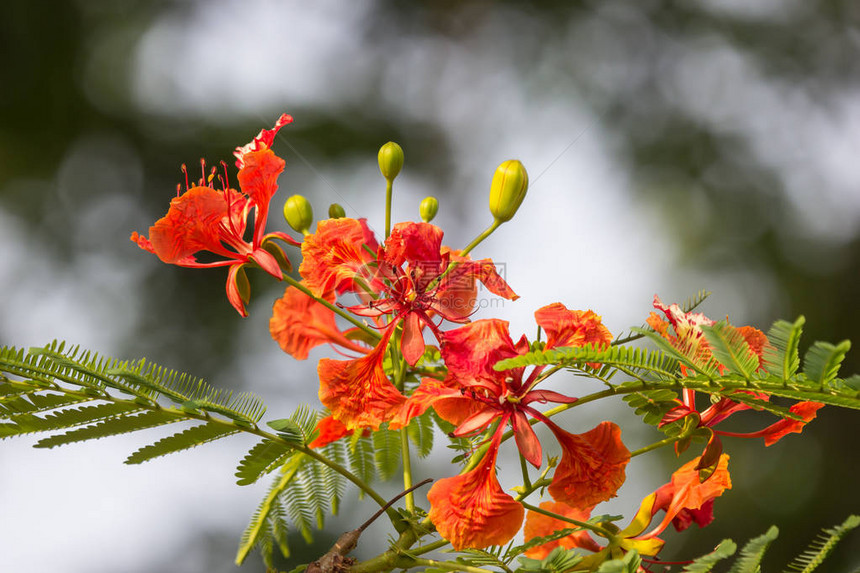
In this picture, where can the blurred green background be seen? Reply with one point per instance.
(672, 146)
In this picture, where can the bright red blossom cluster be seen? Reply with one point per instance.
(410, 299)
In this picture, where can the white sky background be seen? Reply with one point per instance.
(236, 60)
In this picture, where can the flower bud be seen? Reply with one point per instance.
(335, 211)
(508, 189)
(428, 209)
(298, 213)
(390, 160)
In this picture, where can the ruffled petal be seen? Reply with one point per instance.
(300, 323)
(330, 430)
(686, 497)
(471, 510)
(471, 351)
(419, 245)
(357, 392)
(540, 525)
(484, 270)
(334, 256)
(263, 140)
(259, 181)
(192, 224)
(592, 465)
(572, 327)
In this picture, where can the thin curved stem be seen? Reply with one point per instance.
(583, 524)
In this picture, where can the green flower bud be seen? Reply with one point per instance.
(390, 160)
(508, 189)
(428, 209)
(298, 213)
(335, 211)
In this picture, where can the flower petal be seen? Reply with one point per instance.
(471, 351)
(263, 140)
(572, 327)
(192, 224)
(808, 410)
(357, 392)
(592, 465)
(412, 341)
(687, 493)
(259, 181)
(471, 510)
(300, 323)
(333, 257)
(330, 430)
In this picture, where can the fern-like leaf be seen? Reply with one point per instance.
(821, 547)
(111, 427)
(386, 453)
(781, 356)
(186, 439)
(749, 560)
(263, 458)
(822, 361)
(731, 349)
(706, 563)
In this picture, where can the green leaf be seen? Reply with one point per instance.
(189, 438)
(420, 432)
(705, 563)
(263, 458)
(752, 553)
(707, 370)
(822, 361)
(822, 546)
(111, 427)
(628, 564)
(387, 454)
(731, 349)
(781, 357)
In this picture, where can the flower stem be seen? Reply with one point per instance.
(480, 238)
(388, 189)
(448, 566)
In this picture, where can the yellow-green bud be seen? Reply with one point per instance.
(508, 189)
(298, 213)
(428, 208)
(390, 160)
(336, 211)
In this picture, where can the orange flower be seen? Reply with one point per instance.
(572, 327)
(592, 465)
(330, 430)
(300, 323)
(471, 510)
(686, 498)
(337, 254)
(357, 392)
(540, 525)
(205, 219)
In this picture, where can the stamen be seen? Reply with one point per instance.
(212, 173)
(178, 189)
(185, 172)
(202, 172)
(226, 181)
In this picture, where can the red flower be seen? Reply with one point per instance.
(475, 396)
(263, 140)
(471, 510)
(300, 323)
(205, 219)
(335, 256)
(687, 499)
(592, 465)
(358, 392)
(434, 282)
